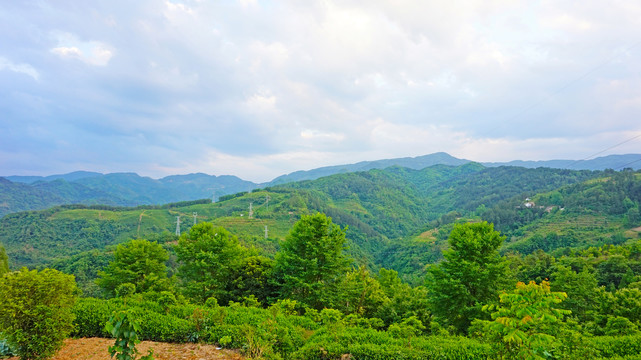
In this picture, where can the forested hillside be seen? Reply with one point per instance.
(398, 218)
(118, 189)
(408, 264)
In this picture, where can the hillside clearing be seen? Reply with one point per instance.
(97, 349)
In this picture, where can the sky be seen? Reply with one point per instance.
(258, 88)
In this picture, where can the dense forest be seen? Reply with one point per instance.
(447, 262)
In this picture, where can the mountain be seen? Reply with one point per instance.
(616, 162)
(380, 207)
(417, 163)
(72, 176)
(131, 189)
(20, 197)
(115, 189)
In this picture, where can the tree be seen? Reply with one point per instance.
(4, 261)
(580, 288)
(404, 300)
(311, 262)
(361, 294)
(137, 262)
(471, 275)
(252, 277)
(209, 256)
(525, 323)
(36, 311)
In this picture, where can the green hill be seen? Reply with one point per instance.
(384, 210)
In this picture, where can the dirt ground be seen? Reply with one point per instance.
(96, 349)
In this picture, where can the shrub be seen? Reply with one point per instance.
(36, 311)
(91, 316)
(125, 328)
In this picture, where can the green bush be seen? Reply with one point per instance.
(165, 328)
(36, 311)
(372, 344)
(91, 315)
(621, 346)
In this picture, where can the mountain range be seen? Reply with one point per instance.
(20, 193)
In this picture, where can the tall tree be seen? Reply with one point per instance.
(311, 262)
(471, 275)
(210, 258)
(137, 262)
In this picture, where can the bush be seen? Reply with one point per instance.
(372, 344)
(36, 311)
(610, 347)
(91, 317)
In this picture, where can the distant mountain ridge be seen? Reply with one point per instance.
(615, 162)
(416, 163)
(116, 189)
(20, 193)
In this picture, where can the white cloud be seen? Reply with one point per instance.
(90, 52)
(22, 68)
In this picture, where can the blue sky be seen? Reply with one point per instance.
(262, 88)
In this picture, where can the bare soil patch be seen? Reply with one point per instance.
(97, 349)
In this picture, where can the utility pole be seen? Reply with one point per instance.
(178, 225)
(195, 214)
(251, 211)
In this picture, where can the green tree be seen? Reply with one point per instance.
(252, 277)
(580, 288)
(4, 261)
(471, 275)
(137, 262)
(525, 323)
(311, 262)
(404, 301)
(361, 294)
(36, 311)
(210, 257)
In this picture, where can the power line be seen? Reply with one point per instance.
(626, 165)
(602, 151)
(568, 84)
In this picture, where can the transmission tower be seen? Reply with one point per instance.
(266, 232)
(178, 225)
(195, 214)
(267, 201)
(251, 211)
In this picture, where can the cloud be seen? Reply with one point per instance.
(157, 86)
(90, 52)
(26, 69)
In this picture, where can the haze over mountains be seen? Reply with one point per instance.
(20, 193)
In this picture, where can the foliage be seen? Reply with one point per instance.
(525, 321)
(311, 261)
(36, 311)
(471, 275)
(361, 294)
(361, 343)
(137, 262)
(4, 261)
(124, 328)
(404, 301)
(209, 257)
